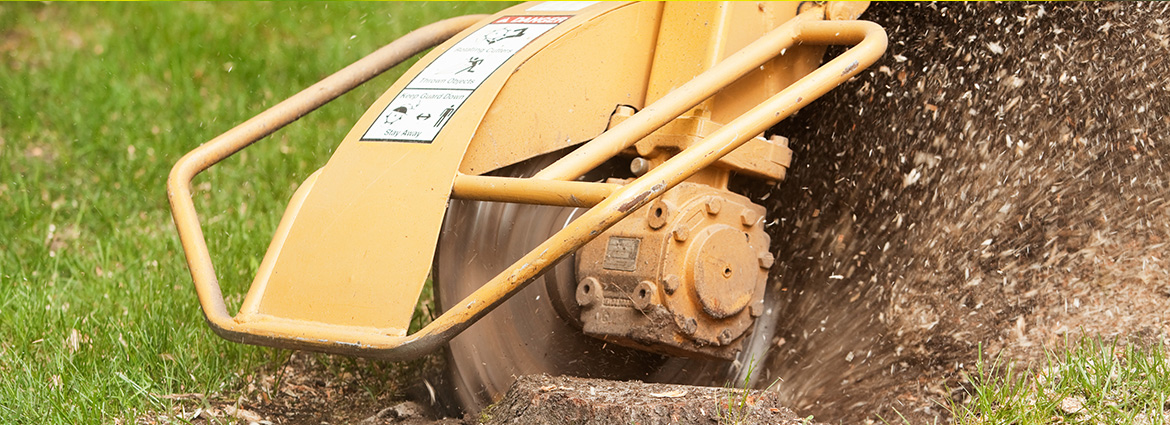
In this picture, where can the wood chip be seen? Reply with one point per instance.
(669, 394)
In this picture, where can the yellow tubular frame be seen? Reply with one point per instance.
(610, 203)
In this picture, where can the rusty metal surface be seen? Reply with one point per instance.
(677, 276)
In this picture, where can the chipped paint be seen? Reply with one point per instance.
(852, 67)
(641, 198)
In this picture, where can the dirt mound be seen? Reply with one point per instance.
(999, 178)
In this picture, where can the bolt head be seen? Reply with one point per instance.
(766, 260)
(657, 214)
(690, 325)
(779, 140)
(749, 218)
(588, 291)
(644, 295)
(681, 233)
(714, 205)
(670, 283)
(725, 337)
(639, 166)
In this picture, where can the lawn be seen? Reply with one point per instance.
(98, 319)
(1092, 381)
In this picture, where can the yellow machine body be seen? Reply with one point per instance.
(687, 86)
(357, 249)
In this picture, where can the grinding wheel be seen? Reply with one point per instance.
(526, 334)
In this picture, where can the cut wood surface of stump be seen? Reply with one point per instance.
(541, 399)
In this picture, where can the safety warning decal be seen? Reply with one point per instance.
(426, 104)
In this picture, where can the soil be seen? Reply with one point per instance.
(997, 182)
(544, 400)
(311, 388)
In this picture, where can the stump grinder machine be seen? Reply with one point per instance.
(559, 172)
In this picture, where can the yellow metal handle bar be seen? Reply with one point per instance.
(276, 117)
(531, 191)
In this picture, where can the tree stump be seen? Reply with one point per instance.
(545, 400)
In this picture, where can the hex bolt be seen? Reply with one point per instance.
(714, 204)
(639, 166)
(681, 233)
(657, 214)
(756, 309)
(725, 337)
(670, 284)
(643, 295)
(588, 291)
(690, 326)
(766, 260)
(748, 218)
(777, 139)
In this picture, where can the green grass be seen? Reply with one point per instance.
(97, 101)
(1093, 382)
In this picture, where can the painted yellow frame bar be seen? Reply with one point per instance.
(611, 202)
(531, 191)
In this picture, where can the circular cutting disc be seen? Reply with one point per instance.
(526, 335)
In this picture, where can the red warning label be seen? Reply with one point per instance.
(531, 19)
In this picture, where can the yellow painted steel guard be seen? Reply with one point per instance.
(611, 203)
